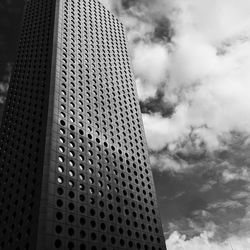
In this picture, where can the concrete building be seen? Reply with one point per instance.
(74, 165)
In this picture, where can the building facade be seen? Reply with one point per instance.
(74, 165)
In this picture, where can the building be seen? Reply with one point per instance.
(74, 165)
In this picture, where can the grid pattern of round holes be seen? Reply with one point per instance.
(23, 128)
(104, 194)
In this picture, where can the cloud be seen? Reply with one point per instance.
(240, 195)
(200, 52)
(163, 31)
(225, 204)
(208, 195)
(204, 241)
(165, 161)
(209, 84)
(160, 131)
(157, 104)
(236, 174)
(150, 64)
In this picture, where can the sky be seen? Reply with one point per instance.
(191, 60)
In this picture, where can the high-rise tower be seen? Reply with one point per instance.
(74, 166)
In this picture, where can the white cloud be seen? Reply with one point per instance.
(208, 186)
(176, 241)
(241, 173)
(166, 162)
(150, 64)
(160, 131)
(240, 195)
(214, 20)
(211, 89)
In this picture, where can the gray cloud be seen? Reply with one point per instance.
(213, 202)
(126, 4)
(157, 104)
(163, 31)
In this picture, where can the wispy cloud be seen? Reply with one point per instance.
(225, 204)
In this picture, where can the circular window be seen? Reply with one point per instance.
(58, 243)
(71, 183)
(60, 169)
(60, 180)
(71, 173)
(81, 187)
